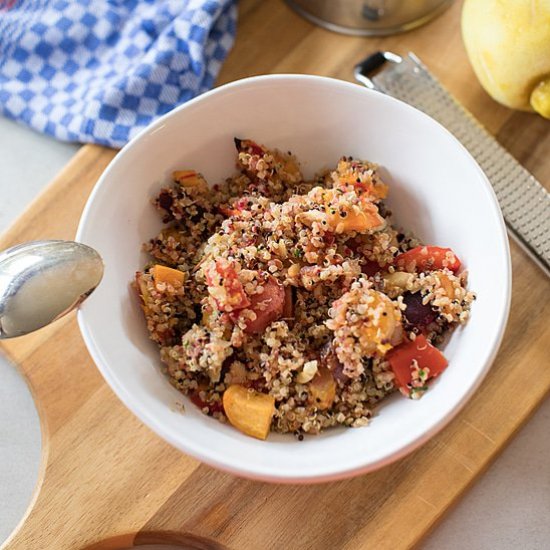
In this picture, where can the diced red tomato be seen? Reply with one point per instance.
(225, 287)
(428, 258)
(268, 306)
(426, 355)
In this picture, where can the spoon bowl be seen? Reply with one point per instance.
(41, 281)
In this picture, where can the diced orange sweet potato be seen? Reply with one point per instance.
(167, 275)
(345, 218)
(447, 286)
(322, 389)
(249, 411)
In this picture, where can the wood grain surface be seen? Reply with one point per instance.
(106, 481)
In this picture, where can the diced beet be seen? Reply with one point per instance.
(165, 200)
(417, 313)
(370, 268)
(268, 306)
(329, 238)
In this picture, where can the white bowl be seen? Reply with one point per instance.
(436, 189)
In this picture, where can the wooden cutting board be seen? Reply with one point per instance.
(106, 481)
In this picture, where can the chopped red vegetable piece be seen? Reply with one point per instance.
(427, 357)
(225, 287)
(249, 146)
(427, 258)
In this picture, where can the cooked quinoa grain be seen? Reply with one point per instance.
(290, 305)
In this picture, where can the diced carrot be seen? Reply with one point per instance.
(427, 258)
(345, 218)
(168, 275)
(447, 286)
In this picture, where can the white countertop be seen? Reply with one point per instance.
(507, 509)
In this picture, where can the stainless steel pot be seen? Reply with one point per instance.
(369, 17)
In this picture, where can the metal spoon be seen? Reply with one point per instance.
(41, 281)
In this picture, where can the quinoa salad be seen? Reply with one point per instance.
(288, 305)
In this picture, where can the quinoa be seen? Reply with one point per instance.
(303, 291)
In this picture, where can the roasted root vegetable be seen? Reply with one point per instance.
(344, 217)
(249, 411)
(370, 268)
(224, 286)
(418, 354)
(427, 258)
(354, 219)
(447, 286)
(162, 333)
(361, 176)
(322, 389)
(368, 318)
(267, 306)
(168, 275)
(417, 313)
(249, 146)
(189, 178)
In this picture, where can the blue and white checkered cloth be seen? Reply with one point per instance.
(100, 70)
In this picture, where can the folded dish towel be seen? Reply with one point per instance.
(100, 70)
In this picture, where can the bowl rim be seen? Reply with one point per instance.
(259, 473)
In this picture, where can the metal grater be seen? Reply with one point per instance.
(525, 204)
